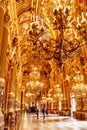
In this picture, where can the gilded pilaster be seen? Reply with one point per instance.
(84, 103)
(66, 90)
(2, 95)
(1, 26)
(3, 60)
(22, 99)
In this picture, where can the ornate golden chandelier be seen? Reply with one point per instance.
(71, 34)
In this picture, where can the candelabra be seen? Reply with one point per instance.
(35, 33)
(69, 36)
(63, 47)
(81, 27)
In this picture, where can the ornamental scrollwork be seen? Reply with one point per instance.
(6, 16)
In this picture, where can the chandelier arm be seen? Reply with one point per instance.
(47, 48)
(72, 49)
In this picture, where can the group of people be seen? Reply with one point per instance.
(44, 112)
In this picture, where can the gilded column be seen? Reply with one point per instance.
(22, 99)
(2, 94)
(66, 91)
(1, 26)
(7, 91)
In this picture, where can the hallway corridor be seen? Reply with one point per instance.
(52, 122)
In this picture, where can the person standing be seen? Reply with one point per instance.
(46, 112)
(43, 111)
(37, 112)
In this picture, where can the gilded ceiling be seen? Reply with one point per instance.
(30, 55)
(41, 30)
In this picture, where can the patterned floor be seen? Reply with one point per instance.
(52, 122)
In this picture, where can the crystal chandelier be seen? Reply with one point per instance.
(79, 86)
(34, 85)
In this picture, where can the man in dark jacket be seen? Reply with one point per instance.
(37, 112)
(43, 111)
